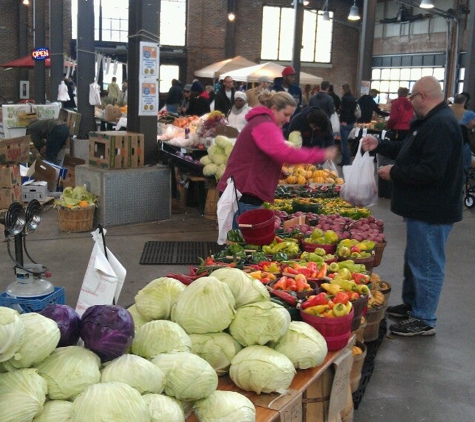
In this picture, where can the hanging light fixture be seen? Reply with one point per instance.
(326, 13)
(426, 4)
(231, 16)
(26, 2)
(354, 13)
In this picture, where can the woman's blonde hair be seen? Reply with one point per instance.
(279, 99)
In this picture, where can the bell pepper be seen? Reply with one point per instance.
(362, 289)
(236, 236)
(235, 249)
(354, 296)
(360, 278)
(341, 309)
(322, 273)
(341, 297)
(271, 267)
(257, 257)
(347, 285)
(320, 299)
(333, 289)
(329, 314)
(317, 310)
(280, 256)
(281, 283)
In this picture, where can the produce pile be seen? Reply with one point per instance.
(215, 161)
(75, 198)
(302, 174)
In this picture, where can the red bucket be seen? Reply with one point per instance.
(257, 226)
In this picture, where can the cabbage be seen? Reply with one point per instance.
(55, 411)
(205, 160)
(218, 349)
(219, 159)
(135, 371)
(220, 171)
(22, 395)
(210, 169)
(110, 401)
(222, 141)
(163, 408)
(155, 300)
(160, 336)
(138, 318)
(69, 370)
(205, 306)
(303, 345)
(68, 323)
(270, 322)
(188, 377)
(262, 370)
(225, 406)
(11, 333)
(41, 337)
(245, 289)
(228, 149)
(107, 330)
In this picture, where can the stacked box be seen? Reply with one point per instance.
(15, 150)
(16, 116)
(10, 183)
(109, 149)
(72, 120)
(70, 164)
(136, 149)
(34, 190)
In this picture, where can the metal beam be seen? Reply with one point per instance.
(40, 73)
(56, 46)
(469, 81)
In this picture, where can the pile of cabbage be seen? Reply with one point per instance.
(156, 361)
(215, 161)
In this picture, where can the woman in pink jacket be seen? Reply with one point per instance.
(400, 116)
(260, 151)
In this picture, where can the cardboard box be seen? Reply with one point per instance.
(42, 170)
(15, 150)
(9, 195)
(109, 149)
(34, 190)
(11, 114)
(72, 120)
(228, 131)
(70, 164)
(10, 176)
(289, 405)
(136, 149)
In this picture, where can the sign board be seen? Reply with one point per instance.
(148, 78)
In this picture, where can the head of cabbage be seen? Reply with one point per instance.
(225, 406)
(11, 333)
(164, 408)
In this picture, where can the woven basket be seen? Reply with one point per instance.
(378, 253)
(76, 220)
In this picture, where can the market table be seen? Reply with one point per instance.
(316, 394)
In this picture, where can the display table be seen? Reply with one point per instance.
(320, 394)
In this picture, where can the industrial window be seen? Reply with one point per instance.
(278, 29)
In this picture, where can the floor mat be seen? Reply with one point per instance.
(164, 252)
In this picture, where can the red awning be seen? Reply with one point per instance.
(28, 62)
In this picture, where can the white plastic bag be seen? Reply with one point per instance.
(227, 206)
(330, 165)
(104, 277)
(360, 187)
(335, 121)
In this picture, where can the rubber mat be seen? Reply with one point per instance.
(164, 252)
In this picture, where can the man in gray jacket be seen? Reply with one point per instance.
(323, 100)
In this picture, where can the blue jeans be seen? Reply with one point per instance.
(345, 152)
(242, 208)
(424, 267)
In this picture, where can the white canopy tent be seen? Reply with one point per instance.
(223, 67)
(272, 70)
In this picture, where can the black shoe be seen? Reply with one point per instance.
(399, 311)
(412, 327)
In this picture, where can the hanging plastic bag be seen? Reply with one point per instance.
(94, 94)
(227, 206)
(335, 121)
(330, 165)
(360, 187)
(63, 92)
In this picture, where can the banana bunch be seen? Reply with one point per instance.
(376, 299)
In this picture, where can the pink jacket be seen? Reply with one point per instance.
(258, 155)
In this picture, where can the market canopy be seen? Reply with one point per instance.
(224, 66)
(271, 70)
(28, 62)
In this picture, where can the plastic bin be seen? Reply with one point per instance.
(26, 305)
(257, 226)
(310, 247)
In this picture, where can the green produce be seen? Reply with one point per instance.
(138, 318)
(205, 306)
(225, 406)
(156, 299)
(135, 371)
(11, 333)
(56, 411)
(160, 336)
(57, 368)
(41, 336)
(188, 377)
(210, 169)
(76, 197)
(235, 235)
(270, 322)
(244, 288)
(163, 408)
(262, 370)
(295, 138)
(303, 345)
(110, 401)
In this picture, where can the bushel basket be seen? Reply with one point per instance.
(76, 220)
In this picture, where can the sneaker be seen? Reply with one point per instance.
(412, 327)
(399, 311)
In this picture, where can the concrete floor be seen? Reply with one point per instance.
(415, 379)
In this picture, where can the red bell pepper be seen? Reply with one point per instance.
(322, 273)
(341, 297)
(360, 278)
(320, 299)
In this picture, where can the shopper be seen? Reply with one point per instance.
(427, 181)
(314, 127)
(260, 151)
(347, 121)
(199, 100)
(323, 100)
(400, 116)
(113, 91)
(174, 97)
(237, 114)
(368, 107)
(48, 137)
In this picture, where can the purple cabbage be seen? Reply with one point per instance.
(68, 323)
(107, 330)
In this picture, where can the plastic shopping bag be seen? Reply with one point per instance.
(335, 121)
(360, 187)
(330, 165)
(227, 206)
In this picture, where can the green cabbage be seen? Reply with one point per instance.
(228, 149)
(41, 337)
(225, 406)
(210, 169)
(56, 411)
(110, 401)
(138, 318)
(303, 345)
(245, 289)
(58, 367)
(205, 306)
(205, 160)
(22, 395)
(135, 371)
(218, 349)
(270, 322)
(11, 333)
(155, 300)
(220, 171)
(262, 370)
(188, 377)
(163, 408)
(219, 159)
(222, 141)
(160, 336)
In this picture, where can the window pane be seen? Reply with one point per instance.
(376, 74)
(173, 22)
(439, 73)
(405, 73)
(167, 73)
(286, 38)
(307, 53)
(270, 33)
(427, 71)
(384, 87)
(416, 73)
(324, 39)
(385, 73)
(395, 73)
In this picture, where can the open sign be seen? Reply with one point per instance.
(41, 53)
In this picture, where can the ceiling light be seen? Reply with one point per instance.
(231, 16)
(426, 4)
(354, 13)
(26, 2)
